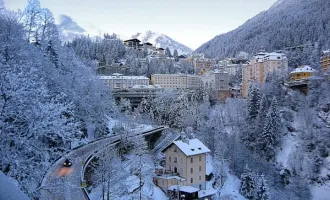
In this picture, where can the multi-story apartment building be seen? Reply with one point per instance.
(118, 81)
(219, 81)
(185, 168)
(176, 81)
(231, 65)
(325, 61)
(132, 43)
(260, 66)
(203, 64)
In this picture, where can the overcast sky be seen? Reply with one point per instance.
(191, 22)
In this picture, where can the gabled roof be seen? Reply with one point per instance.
(133, 40)
(305, 68)
(191, 147)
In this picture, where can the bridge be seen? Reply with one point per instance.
(66, 183)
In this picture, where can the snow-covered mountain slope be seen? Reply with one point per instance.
(287, 23)
(162, 40)
(69, 29)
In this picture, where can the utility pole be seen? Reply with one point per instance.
(140, 180)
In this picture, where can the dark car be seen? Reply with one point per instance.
(67, 163)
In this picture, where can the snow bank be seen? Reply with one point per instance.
(289, 145)
(9, 191)
(321, 192)
(231, 188)
(159, 194)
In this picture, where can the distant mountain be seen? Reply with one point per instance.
(161, 40)
(288, 23)
(69, 29)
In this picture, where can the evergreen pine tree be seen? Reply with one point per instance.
(253, 102)
(262, 191)
(263, 110)
(271, 133)
(176, 55)
(248, 184)
(168, 52)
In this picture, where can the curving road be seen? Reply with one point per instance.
(65, 183)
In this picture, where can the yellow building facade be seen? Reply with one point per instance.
(302, 72)
(325, 62)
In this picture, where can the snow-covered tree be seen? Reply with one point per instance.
(176, 55)
(168, 52)
(262, 189)
(253, 100)
(272, 131)
(248, 183)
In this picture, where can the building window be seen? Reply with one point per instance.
(181, 160)
(169, 158)
(191, 170)
(181, 171)
(200, 158)
(191, 180)
(191, 160)
(200, 168)
(175, 149)
(175, 160)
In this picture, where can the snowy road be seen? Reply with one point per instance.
(65, 183)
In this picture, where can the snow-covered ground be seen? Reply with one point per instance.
(231, 188)
(321, 192)
(9, 191)
(127, 126)
(289, 145)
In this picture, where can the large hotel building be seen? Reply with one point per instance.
(176, 81)
(260, 66)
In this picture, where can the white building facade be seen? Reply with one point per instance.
(118, 81)
(176, 81)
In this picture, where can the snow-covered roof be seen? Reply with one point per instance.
(146, 86)
(205, 193)
(263, 56)
(188, 189)
(192, 147)
(274, 56)
(305, 68)
(179, 74)
(218, 71)
(171, 176)
(122, 77)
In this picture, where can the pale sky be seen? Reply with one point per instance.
(190, 22)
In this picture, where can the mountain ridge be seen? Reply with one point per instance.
(286, 23)
(162, 40)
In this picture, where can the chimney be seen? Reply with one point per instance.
(184, 138)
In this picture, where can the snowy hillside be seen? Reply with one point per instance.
(161, 40)
(69, 29)
(275, 28)
(9, 190)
